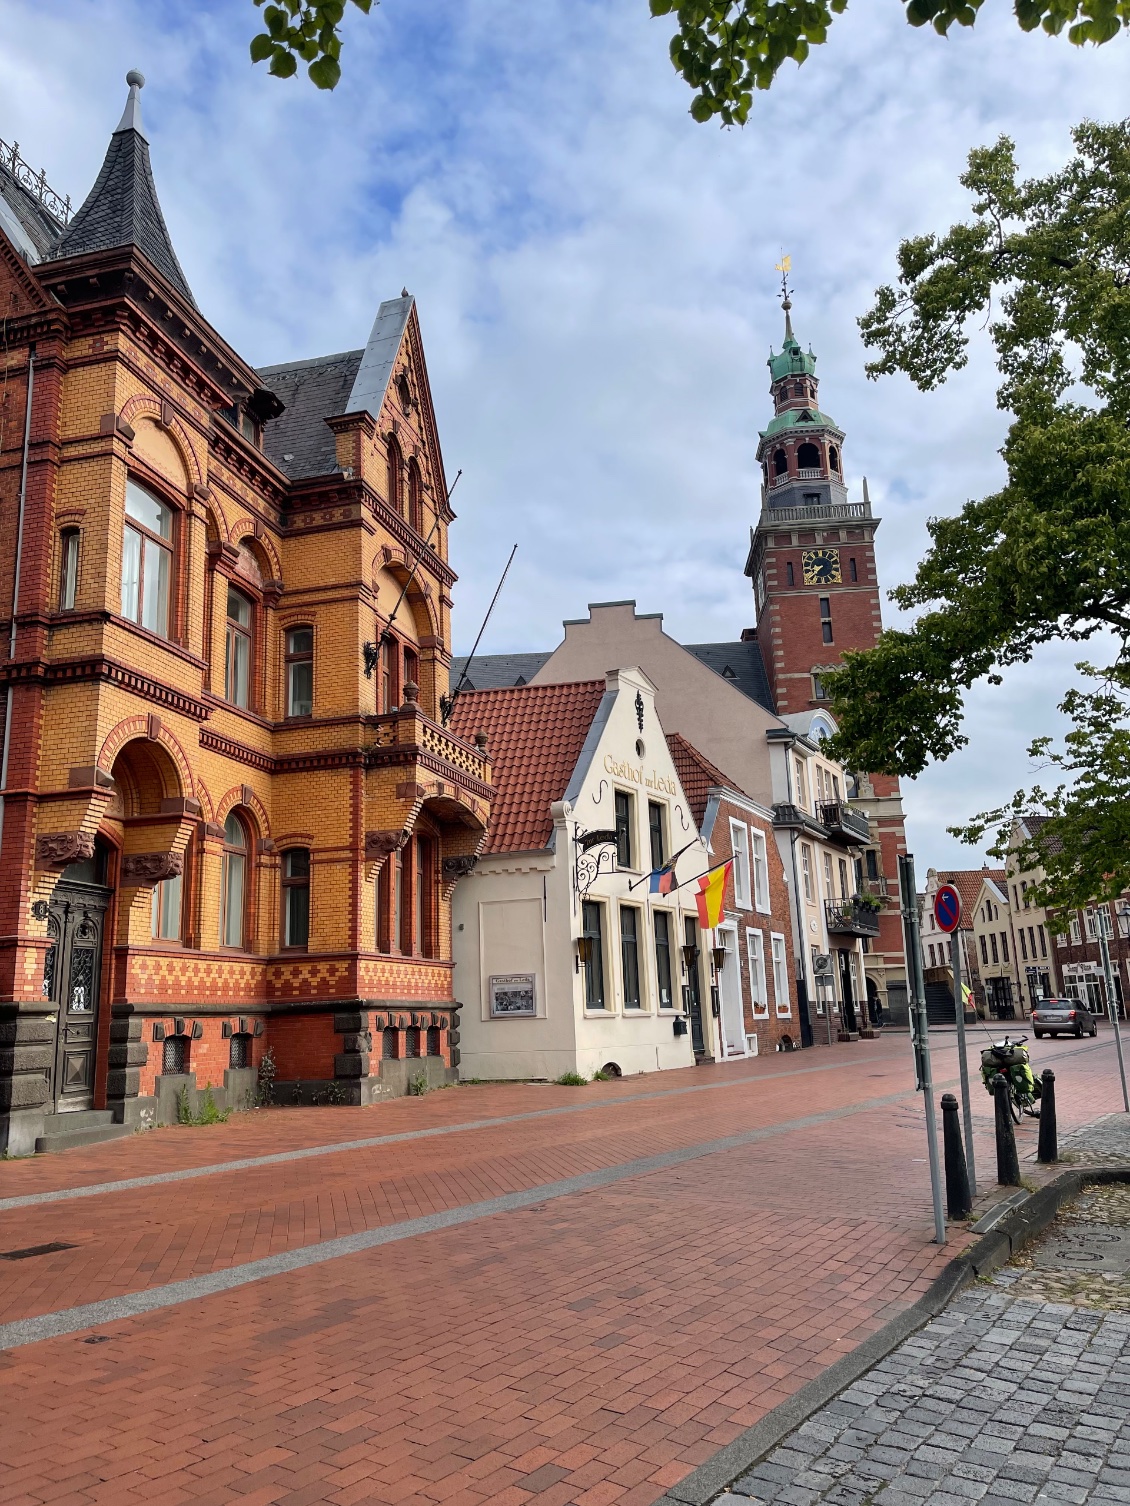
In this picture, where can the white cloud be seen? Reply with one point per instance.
(594, 271)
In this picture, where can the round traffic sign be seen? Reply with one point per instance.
(947, 908)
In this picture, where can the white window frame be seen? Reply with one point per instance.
(806, 871)
(739, 849)
(759, 868)
(1090, 925)
(1076, 933)
(755, 953)
(780, 956)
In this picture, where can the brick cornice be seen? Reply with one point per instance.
(100, 667)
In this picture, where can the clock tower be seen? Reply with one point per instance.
(816, 590)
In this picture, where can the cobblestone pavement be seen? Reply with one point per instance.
(582, 1342)
(1018, 1392)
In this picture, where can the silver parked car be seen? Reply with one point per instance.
(1063, 1017)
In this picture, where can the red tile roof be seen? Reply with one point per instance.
(535, 734)
(967, 882)
(697, 774)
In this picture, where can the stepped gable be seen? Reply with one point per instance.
(300, 442)
(122, 209)
(697, 775)
(535, 734)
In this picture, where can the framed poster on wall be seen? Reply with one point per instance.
(513, 996)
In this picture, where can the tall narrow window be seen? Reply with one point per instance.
(300, 671)
(656, 834)
(425, 857)
(68, 569)
(790, 573)
(843, 878)
(985, 951)
(623, 806)
(296, 897)
(390, 667)
(630, 956)
(872, 861)
(406, 897)
(826, 619)
(167, 897)
(806, 869)
(592, 917)
(739, 848)
(395, 477)
(801, 784)
(147, 560)
(415, 497)
(760, 869)
(1023, 944)
(1004, 945)
(759, 998)
(384, 905)
(1043, 941)
(780, 976)
(833, 457)
(993, 939)
(237, 650)
(853, 571)
(233, 882)
(411, 668)
(663, 958)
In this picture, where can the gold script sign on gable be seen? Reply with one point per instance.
(634, 774)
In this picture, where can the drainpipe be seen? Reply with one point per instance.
(16, 587)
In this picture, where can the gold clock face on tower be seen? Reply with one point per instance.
(821, 567)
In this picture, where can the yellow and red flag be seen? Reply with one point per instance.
(711, 893)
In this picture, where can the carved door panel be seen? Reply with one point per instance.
(71, 973)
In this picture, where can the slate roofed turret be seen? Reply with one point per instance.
(122, 208)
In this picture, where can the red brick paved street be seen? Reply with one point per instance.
(589, 1349)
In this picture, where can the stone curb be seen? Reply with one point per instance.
(990, 1252)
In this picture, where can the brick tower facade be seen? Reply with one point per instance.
(816, 589)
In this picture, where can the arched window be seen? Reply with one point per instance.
(233, 883)
(415, 497)
(175, 1055)
(412, 1041)
(147, 560)
(808, 458)
(237, 649)
(425, 884)
(395, 479)
(296, 897)
(300, 671)
(434, 1048)
(780, 462)
(390, 673)
(833, 457)
(68, 569)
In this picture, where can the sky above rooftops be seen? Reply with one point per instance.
(593, 271)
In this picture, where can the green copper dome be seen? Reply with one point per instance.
(791, 361)
(801, 418)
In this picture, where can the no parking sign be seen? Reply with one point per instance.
(947, 908)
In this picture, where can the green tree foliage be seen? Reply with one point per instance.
(725, 49)
(1046, 262)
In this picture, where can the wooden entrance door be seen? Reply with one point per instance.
(692, 989)
(71, 973)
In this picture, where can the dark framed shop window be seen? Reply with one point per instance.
(592, 930)
(630, 956)
(663, 973)
(624, 803)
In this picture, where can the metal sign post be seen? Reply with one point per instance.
(947, 913)
(1111, 1001)
(919, 1031)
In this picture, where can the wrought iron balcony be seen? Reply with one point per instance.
(876, 886)
(848, 917)
(844, 824)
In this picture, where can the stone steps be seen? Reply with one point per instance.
(83, 1127)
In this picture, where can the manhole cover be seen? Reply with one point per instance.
(1086, 1247)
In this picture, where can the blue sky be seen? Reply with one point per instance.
(594, 272)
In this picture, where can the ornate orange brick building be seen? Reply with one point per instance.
(231, 815)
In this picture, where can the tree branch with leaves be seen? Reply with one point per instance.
(724, 49)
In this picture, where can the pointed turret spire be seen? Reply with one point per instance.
(122, 208)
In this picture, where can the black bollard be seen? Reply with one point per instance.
(1048, 1149)
(958, 1201)
(1008, 1166)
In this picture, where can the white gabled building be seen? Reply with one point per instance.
(564, 959)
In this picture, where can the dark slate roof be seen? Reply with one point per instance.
(497, 671)
(122, 208)
(29, 224)
(739, 663)
(312, 391)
